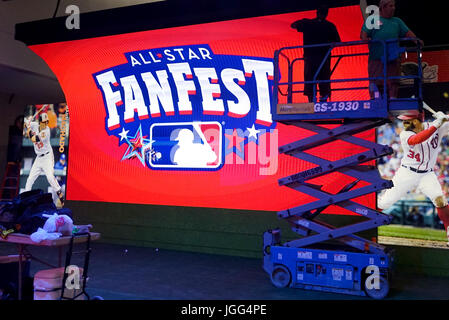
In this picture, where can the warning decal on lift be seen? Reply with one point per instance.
(337, 274)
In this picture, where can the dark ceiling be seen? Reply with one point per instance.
(427, 20)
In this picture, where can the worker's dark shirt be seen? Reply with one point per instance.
(316, 32)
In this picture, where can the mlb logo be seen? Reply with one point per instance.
(367, 105)
(186, 145)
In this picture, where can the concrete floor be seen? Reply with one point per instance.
(120, 272)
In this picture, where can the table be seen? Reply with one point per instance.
(23, 241)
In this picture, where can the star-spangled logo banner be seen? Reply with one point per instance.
(165, 101)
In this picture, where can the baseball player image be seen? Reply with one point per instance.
(421, 144)
(190, 154)
(39, 134)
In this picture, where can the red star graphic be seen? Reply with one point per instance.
(136, 142)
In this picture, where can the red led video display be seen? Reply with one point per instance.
(182, 116)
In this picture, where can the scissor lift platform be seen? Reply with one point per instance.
(286, 106)
(356, 265)
(358, 109)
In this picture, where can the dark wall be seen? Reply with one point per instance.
(427, 19)
(433, 95)
(208, 230)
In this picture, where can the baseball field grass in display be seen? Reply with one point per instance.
(401, 231)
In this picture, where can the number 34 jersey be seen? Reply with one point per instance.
(43, 146)
(422, 156)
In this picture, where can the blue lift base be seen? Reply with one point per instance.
(327, 267)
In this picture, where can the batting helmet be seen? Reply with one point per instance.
(412, 114)
(43, 117)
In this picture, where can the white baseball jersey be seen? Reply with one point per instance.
(44, 161)
(422, 156)
(43, 146)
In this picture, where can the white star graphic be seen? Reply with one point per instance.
(253, 132)
(123, 134)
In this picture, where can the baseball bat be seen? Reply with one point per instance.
(428, 108)
(196, 125)
(33, 117)
(37, 112)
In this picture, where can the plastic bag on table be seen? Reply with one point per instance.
(58, 223)
(42, 234)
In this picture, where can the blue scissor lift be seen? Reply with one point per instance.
(329, 258)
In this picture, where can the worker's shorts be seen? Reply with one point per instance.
(376, 69)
